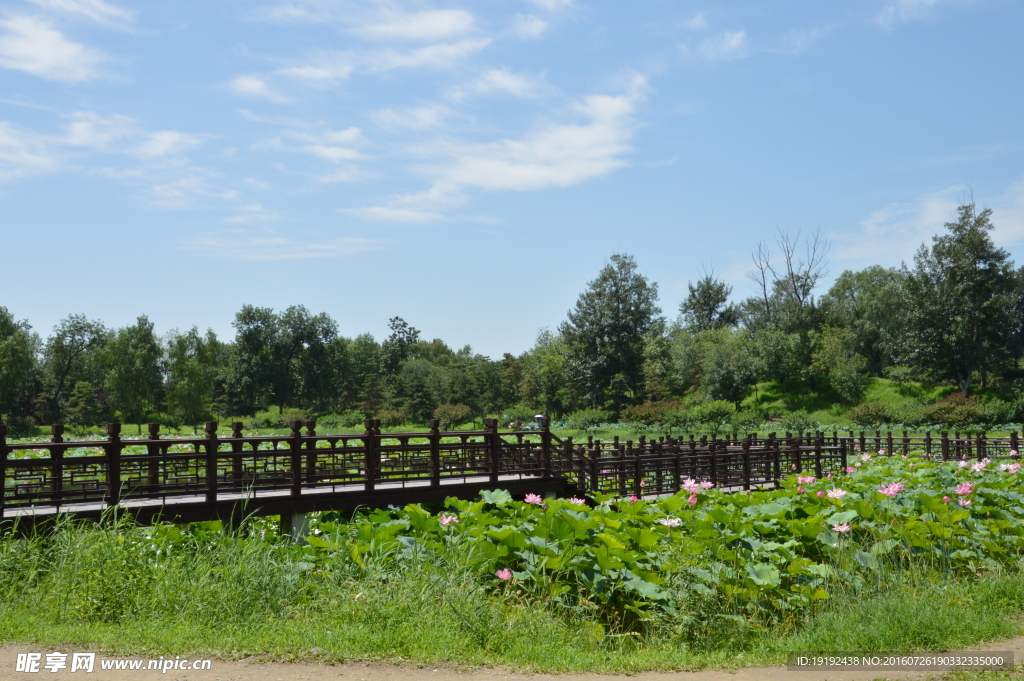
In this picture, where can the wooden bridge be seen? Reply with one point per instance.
(179, 480)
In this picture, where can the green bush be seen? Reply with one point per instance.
(955, 411)
(585, 419)
(798, 422)
(346, 419)
(869, 414)
(649, 413)
(517, 416)
(715, 414)
(451, 416)
(746, 421)
(392, 418)
(998, 412)
(910, 415)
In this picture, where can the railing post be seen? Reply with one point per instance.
(493, 448)
(746, 464)
(237, 446)
(982, 442)
(369, 454)
(153, 468)
(817, 456)
(435, 453)
(595, 482)
(677, 469)
(638, 474)
(311, 453)
(211, 461)
(545, 447)
(295, 442)
(3, 471)
(1014, 443)
(714, 462)
(113, 463)
(843, 454)
(57, 467)
(928, 444)
(945, 445)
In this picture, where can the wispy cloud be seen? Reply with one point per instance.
(902, 11)
(500, 81)
(552, 5)
(95, 10)
(391, 214)
(529, 26)
(255, 86)
(31, 44)
(23, 153)
(267, 244)
(438, 24)
(412, 118)
(727, 45)
(168, 142)
(697, 23)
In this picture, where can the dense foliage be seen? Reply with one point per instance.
(955, 318)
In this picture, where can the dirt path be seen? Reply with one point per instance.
(276, 671)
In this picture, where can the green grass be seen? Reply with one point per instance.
(223, 596)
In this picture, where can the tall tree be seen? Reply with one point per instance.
(960, 291)
(192, 365)
(705, 306)
(870, 303)
(132, 359)
(17, 363)
(67, 355)
(397, 346)
(253, 374)
(605, 334)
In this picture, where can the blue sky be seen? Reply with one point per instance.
(470, 166)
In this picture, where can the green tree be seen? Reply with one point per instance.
(605, 334)
(705, 306)
(68, 357)
(17, 363)
(960, 292)
(192, 365)
(397, 346)
(729, 366)
(838, 364)
(132, 359)
(870, 303)
(544, 381)
(253, 372)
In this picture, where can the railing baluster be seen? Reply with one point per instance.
(113, 447)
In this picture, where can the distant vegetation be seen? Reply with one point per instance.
(936, 343)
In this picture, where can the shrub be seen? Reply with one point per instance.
(996, 412)
(649, 413)
(869, 414)
(956, 410)
(715, 413)
(911, 415)
(899, 374)
(346, 419)
(746, 421)
(585, 419)
(798, 422)
(452, 415)
(392, 418)
(516, 417)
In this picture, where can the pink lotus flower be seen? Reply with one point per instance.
(986, 460)
(1010, 468)
(503, 574)
(805, 479)
(857, 465)
(980, 466)
(1013, 452)
(447, 520)
(964, 463)
(836, 493)
(707, 484)
(692, 501)
(633, 498)
(946, 499)
(800, 489)
(821, 495)
(828, 477)
(849, 469)
(670, 522)
(577, 500)
(881, 452)
(534, 499)
(964, 502)
(965, 488)
(892, 489)
(910, 465)
(842, 529)
(867, 457)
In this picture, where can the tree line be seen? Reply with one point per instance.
(954, 315)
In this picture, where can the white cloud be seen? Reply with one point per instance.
(426, 25)
(95, 10)
(413, 118)
(33, 45)
(253, 212)
(529, 26)
(333, 67)
(901, 11)
(23, 153)
(697, 23)
(552, 5)
(500, 81)
(440, 56)
(390, 214)
(798, 40)
(728, 45)
(167, 142)
(93, 131)
(253, 86)
(270, 245)
(557, 155)
(892, 234)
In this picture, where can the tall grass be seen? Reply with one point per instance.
(214, 593)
